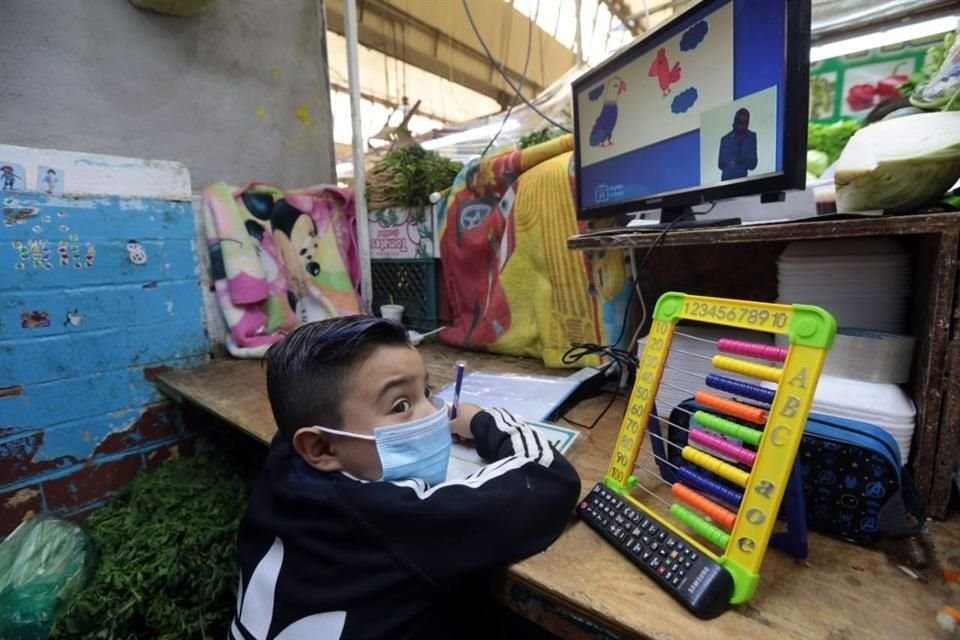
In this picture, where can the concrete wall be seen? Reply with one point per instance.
(238, 93)
(86, 319)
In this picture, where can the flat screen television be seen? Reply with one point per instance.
(711, 105)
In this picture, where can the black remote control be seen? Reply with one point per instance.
(698, 582)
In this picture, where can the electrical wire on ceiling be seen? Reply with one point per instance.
(578, 36)
(502, 71)
(540, 32)
(403, 41)
(593, 25)
(606, 39)
(386, 75)
(523, 78)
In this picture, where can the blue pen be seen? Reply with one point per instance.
(456, 391)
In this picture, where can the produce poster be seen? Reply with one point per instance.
(851, 86)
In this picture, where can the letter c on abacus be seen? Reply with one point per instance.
(778, 437)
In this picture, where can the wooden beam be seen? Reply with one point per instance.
(436, 37)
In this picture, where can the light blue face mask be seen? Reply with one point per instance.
(414, 449)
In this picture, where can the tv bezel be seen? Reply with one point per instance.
(795, 114)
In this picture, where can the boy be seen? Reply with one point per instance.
(352, 530)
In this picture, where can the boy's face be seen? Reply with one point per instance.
(388, 387)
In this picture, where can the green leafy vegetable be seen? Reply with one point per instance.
(406, 177)
(941, 89)
(541, 135)
(167, 556)
(817, 162)
(935, 56)
(831, 138)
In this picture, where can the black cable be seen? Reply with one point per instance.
(646, 256)
(613, 397)
(503, 73)
(636, 289)
(523, 78)
(624, 358)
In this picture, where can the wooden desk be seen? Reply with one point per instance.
(581, 588)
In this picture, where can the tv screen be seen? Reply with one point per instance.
(710, 105)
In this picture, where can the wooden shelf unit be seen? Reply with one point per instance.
(740, 262)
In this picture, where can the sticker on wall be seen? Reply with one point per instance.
(63, 250)
(74, 318)
(136, 253)
(40, 254)
(34, 319)
(12, 177)
(18, 215)
(35, 252)
(50, 180)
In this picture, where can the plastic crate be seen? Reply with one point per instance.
(413, 283)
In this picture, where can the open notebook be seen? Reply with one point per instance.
(464, 459)
(530, 398)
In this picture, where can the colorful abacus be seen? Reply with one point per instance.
(727, 508)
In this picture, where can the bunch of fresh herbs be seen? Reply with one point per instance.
(406, 176)
(167, 556)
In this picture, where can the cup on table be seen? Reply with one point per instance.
(392, 312)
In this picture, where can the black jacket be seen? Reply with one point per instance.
(329, 557)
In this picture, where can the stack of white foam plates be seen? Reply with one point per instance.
(882, 405)
(864, 282)
(688, 362)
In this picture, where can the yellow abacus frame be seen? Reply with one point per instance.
(810, 331)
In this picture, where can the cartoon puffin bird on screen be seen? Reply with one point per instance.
(602, 133)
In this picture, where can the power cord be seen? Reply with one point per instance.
(624, 358)
(523, 78)
(503, 74)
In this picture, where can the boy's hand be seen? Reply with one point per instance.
(460, 426)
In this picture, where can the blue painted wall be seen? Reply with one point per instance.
(84, 323)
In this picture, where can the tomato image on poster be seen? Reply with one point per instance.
(868, 85)
(850, 86)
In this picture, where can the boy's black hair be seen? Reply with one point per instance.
(307, 370)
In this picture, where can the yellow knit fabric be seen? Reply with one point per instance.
(546, 284)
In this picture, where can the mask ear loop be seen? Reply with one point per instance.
(438, 403)
(347, 434)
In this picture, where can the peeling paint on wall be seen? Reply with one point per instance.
(21, 496)
(9, 392)
(83, 321)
